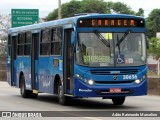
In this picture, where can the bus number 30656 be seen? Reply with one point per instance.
(128, 77)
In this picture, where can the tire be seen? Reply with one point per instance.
(63, 100)
(24, 93)
(33, 95)
(118, 100)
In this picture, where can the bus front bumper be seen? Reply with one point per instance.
(81, 89)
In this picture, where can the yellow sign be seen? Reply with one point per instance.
(100, 59)
(109, 36)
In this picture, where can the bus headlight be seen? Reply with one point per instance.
(77, 75)
(90, 82)
(137, 81)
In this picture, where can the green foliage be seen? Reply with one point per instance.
(140, 12)
(70, 9)
(92, 6)
(122, 8)
(153, 23)
(53, 15)
(154, 47)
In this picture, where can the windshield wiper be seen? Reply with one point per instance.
(121, 40)
(105, 42)
(102, 38)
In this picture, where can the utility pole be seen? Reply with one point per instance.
(59, 9)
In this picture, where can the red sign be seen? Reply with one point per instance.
(115, 90)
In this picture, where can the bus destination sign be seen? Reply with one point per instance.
(111, 22)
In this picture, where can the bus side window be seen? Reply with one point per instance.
(56, 41)
(9, 45)
(20, 43)
(45, 42)
(27, 43)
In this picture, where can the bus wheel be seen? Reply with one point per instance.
(118, 100)
(33, 95)
(23, 91)
(63, 100)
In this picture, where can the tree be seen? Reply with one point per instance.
(74, 7)
(140, 12)
(154, 47)
(122, 8)
(71, 8)
(92, 6)
(52, 15)
(153, 23)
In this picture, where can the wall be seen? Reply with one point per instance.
(154, 85)
(3, 73)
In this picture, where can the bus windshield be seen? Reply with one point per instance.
(111, 49)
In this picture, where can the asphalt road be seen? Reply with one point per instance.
(88, 108)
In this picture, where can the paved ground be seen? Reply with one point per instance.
(10, 100)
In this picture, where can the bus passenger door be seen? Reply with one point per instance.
(68, 62)
(13, 60)
(34, 60)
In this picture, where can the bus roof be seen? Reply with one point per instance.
(70, 20)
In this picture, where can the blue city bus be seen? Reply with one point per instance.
(88, 55)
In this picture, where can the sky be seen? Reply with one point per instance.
(46, 6)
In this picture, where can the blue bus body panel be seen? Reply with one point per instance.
(90, 91)
(71, 20)
(136, 30)
(24, 65)
(83, 89)
(9, 70)
(47, 72)
(45, 76)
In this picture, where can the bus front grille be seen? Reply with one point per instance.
(113, 71)
(114, 82)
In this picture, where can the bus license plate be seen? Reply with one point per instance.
(115, 90)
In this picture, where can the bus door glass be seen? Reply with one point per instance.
(34, 60)
(68, 62)
(13, 60)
